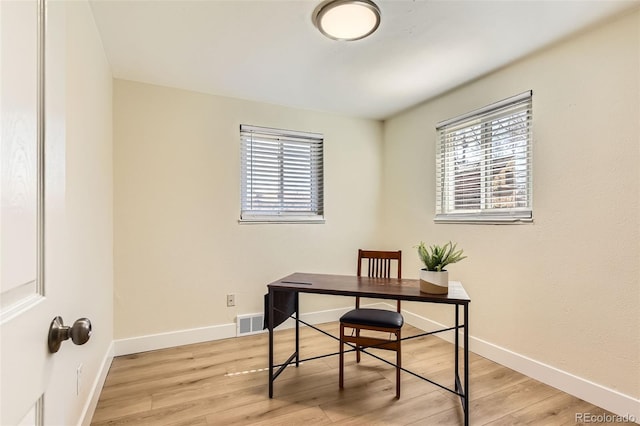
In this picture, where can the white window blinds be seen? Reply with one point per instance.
(282, 175)
(483, 164)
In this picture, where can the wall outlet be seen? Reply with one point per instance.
(78, 379)
(231, 300)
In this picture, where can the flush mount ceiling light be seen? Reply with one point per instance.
(347, 19)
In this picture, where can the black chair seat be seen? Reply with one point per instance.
(373, 317)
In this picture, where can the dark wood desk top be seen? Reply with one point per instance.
(380, 288)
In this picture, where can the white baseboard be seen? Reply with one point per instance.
(426, 324)
(94, 395)
(317, 317)
(170, 339)
(609, 399)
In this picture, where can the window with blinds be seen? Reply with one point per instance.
(282, 175)
(483, 164)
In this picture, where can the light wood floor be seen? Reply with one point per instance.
(224, 382)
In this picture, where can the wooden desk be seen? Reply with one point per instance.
(379, 288)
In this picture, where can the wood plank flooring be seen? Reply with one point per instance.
(224, 382)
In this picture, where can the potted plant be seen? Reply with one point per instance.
(434, 278)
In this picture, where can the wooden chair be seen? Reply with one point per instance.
(377, 320)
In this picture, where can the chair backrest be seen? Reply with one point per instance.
(379, 263)
(379, 266)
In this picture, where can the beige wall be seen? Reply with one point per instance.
(179, 248)
(564, 290)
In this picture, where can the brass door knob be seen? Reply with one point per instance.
(79, 333)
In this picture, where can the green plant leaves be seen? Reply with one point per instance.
(436, 258)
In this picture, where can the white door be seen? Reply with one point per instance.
(32, 207)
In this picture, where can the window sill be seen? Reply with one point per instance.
(484, 220)
(280, 220)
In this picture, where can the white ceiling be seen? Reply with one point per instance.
(269, 50)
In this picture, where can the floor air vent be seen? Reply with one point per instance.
(249, 324)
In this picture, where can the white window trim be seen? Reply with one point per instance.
(445, 213)
(260, 216)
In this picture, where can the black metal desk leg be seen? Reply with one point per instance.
(297, 305)
(456, 348)
(466, 364)
(270, 325)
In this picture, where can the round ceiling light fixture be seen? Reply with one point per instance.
(347, 19)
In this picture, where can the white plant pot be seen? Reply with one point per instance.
(434, 282)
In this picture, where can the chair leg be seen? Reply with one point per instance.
(398, 364)
(341, 374)
(357, 346)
